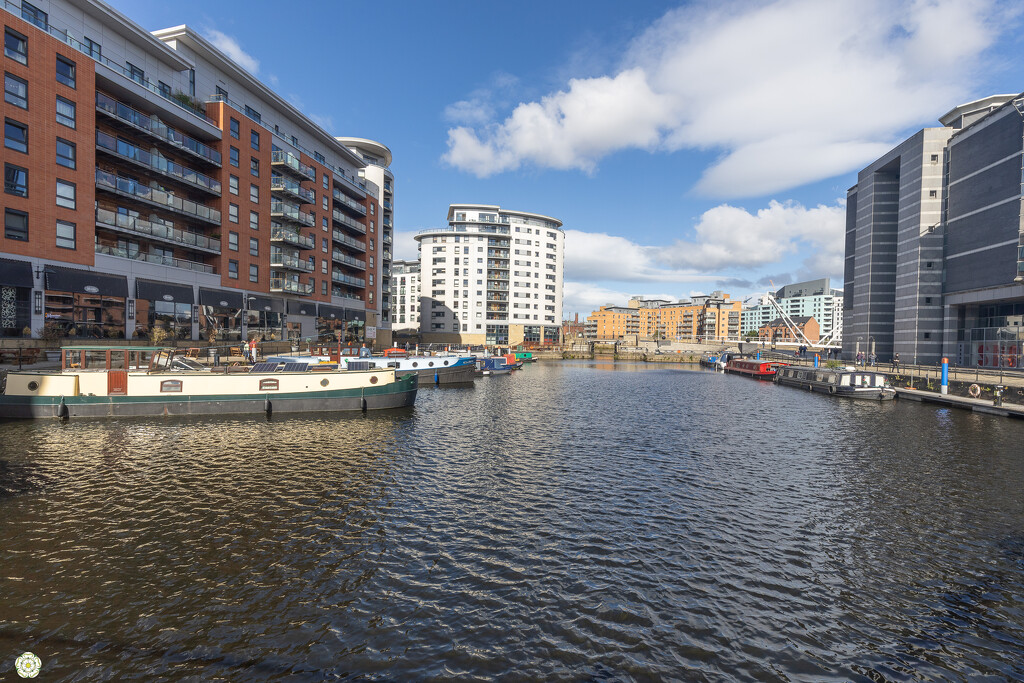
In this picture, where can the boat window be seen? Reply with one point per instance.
(269, 385)
(373, 379)
(170, 385)
(446, 362)
(844, 381)
(431, 363)
(415, 364)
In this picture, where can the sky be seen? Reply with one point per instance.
(686, 147)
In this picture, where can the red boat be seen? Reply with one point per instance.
(758, 369)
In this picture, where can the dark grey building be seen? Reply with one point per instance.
(932, 232)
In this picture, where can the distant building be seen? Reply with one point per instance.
(702, 318)
(405, 296)
(779, 330)
(814, 298)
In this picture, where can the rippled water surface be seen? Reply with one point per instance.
(573, 521)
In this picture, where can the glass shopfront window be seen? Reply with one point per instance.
(267, 325)
(217, 323)
(330, 329)
(175, 318)
(15, 314)
(86, 315)
(355, 331)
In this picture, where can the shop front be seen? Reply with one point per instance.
(15, 298)
(220, 315)
(301, 314)
(330, 323)
(161, 305)
(84, 304)
(265, 318)
(355, 326)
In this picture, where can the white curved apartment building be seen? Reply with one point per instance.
(493, 276)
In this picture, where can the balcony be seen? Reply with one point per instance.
(291, 263)
(348, 279)
(281, 159)
(350, 203)
(155, 258)
(292, 237)
(339, 257)
(501, 265)
(130, 188)
(280, 284)
(342, 238)
(153, 126)
(281, 184)
(387, 205)
(497, 274)
(497, 286)
(140, 157)
(386, 239)
(290, 212)
(163, 232)
(345, 293)
(341, 218)
(497, 297)
(386, 222)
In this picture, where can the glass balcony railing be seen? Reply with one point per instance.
(350, 203)
(348, 260)
(154, 258)
(348, 279)
(342, 238)
(387, 205)
(291, 262)
(292, 237)
(291, 212)
(106, 217)
(386, 239)
(156, 127)
(282, 159)
(133, 188)
(386, 254)
(280, 284)
(339, 217)
(282, 184)
(157, 163)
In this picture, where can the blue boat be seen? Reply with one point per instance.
(493, 365)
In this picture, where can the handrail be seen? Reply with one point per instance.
(339, 236)
(292, 236)
(166, 231)
(345, 220)
(155, 126)
(285, 285)
(291, 212)
(283, 184)
(154, 258)
(133, 188)
(285, 157)
(157, 163)
(286, 261)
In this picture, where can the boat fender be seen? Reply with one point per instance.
(974, 391)
(810, 387)
(437, 380)
(62, 409)
(268, 407)
(362, 404)
(831, 390)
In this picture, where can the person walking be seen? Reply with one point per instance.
(873, 359)
(860, 358)
(895, 362)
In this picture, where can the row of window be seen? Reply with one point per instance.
(16, 183)
(16, 47)
(16, 228)
(16, 138)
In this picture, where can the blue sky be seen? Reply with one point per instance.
(686, 147)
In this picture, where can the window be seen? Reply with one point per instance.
(320, 157)
(135, 73)
(323, 266)
(254, 166)
(323, 287)
(65, 72)
(65, 194)
(65, 235)
(233, 184)
(233, 213)
(254, 246)
(233, 270)
(91, 48)
(65, 112)
(324, 202)
(15, 180)
(233, 126)
(254, 273)
(16, 225)
(222, 94)
(252, 113)
(254, 220)
(932, 194)
(254, 140)
(65, 153)
(170, 386)
(233, 241)
(233, 156)
(33, 14)
(16, 46)
(254, 194)
(164, 89)
(15, 91)
(323, 244)
(15, 136)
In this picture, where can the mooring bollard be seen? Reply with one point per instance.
(817, 360)
(944, 389)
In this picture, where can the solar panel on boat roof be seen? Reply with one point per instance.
(263, 367)
(296, 367)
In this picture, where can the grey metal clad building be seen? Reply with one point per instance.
(932, 235)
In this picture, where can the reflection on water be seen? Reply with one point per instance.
(576, 520)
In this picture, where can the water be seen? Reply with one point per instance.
(573, 521)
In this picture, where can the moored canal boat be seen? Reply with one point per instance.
(848, 382)
(127, 381)
(493, 365)
(447, 369)
(750, 367)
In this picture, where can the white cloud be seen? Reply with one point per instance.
(232, 49)
(592, 256)
(583, 298)
(788, 91)
(405, 247)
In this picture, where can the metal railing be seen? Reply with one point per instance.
(280, 284)
(163, 231)
(341, 237)
(154, 126)
(155, 162)
(348, 280)
(292, 237)
(282, 184)
(293, 213)
(154, 258)
(289, 160)
(342, 258)
(127, 186)
(351, 203)
(293, 262)
(345, 220)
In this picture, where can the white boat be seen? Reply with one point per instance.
(447, 369)
(848, 382)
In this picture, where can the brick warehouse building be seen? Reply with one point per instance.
(150, 182)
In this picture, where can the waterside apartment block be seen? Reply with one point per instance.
(151, 182)
(699, 319)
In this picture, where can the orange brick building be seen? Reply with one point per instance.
(702, 318)
(779, 331)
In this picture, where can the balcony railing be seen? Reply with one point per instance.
(348, 279)
(169, 233)
(154, 258)
(291, 262)
(341, 237)
(282, 184)
(386, 239)
(351, 203)
(497, 274)
(387, 205)
(155, 127)
(132, 188)
(282, 159)
(339, 217)
(281, 284)
(292, 213)
(345, 293)
(348, 260)
(292, 237)
(386, 222)
(157, 163)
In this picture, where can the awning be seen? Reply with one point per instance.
(220, 298)
(164, 291)
(15, 273)
(301, 307)
(265, 303)
(332, 312)
(352, 314)
(74, 280)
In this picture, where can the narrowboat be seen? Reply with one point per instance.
(493, 365)
(127, 381)
(525, 357)
(758, 369)
(512, 360)
(430, 369)
(848, 382)
(709, 360)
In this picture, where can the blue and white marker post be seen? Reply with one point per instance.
(817, 360)
(944, 389)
